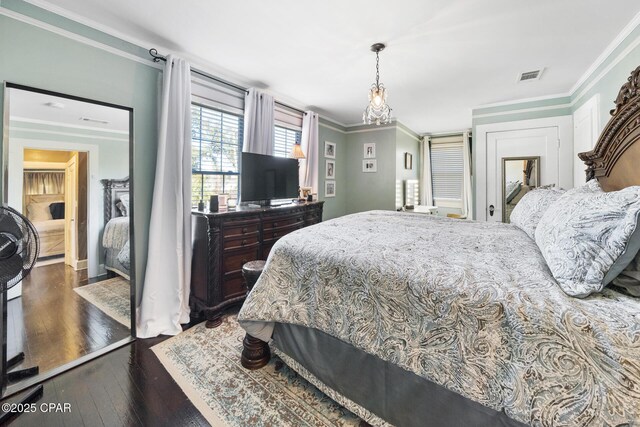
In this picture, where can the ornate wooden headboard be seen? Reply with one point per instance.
(615, 160)
(113, 189)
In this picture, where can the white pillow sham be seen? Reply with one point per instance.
(39, 211)
(588, 236)
(527, 213)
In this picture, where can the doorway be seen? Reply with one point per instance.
(542, 143)
(54, 198)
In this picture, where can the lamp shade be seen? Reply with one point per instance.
(296, 152)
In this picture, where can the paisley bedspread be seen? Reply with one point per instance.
(469, 305)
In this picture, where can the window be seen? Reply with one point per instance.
(447, 169)
(284, 140)
(216, 140)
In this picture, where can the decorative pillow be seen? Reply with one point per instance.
(588, 237)
(39, 212)
(527, 213)
(124, 257)
(57, 210)
(123, 205)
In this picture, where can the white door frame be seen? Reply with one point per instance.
(15, 182)
(565, 133)
(590, 110)
(71, 212)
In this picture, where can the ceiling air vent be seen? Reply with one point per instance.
(530, 76)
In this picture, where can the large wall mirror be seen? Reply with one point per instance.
(67, 169)
(519, 176)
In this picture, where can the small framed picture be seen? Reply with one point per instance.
(330, 150)
(331, 169)
(370, 165)
(370, 150)
(408, 161)
(329, 189)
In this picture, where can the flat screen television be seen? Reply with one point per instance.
(265, 178)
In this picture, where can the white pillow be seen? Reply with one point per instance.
(527, 213)
(39, 212)
(588, 237)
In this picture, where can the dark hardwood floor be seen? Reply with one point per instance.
(52, 324)
(127, 387)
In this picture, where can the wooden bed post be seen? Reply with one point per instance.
(255, 353)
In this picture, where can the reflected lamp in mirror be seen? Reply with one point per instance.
(519, 176)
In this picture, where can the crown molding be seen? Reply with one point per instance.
(620, 38)
(522, 100)
(76, 37)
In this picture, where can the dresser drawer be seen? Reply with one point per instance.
(247, 241)
(273, 223)
(233, 286)
(240, 229)
(312, 221)
(276, 233)
(233, 261)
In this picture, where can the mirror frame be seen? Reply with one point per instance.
(18, 387)
(504, 184)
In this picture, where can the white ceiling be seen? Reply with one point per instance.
(443, 56)
(32, 106)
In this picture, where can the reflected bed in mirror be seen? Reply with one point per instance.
(67, 169)
(519, 176)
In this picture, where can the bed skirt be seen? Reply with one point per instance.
(365, 384)
(112, 263)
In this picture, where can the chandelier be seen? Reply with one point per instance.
(377, 111)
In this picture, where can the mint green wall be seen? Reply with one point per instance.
(333, 206)
(35, 57)
(513, 112)
(368, 191)
(611, 82)
(113, 153)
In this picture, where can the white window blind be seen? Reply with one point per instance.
(216, 138)
(447, 169)
(217, 96)
(284, 139)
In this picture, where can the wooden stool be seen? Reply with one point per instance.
(255, 352)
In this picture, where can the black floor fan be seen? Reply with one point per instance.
(19, 246)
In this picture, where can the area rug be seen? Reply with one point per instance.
(206, 365)
(112, 296)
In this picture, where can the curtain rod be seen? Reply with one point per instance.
(157, 58)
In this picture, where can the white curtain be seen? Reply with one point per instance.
(467, 196)
(43, 182)
(309, 144)
(426, 195)
(165, 296)
(258, 122)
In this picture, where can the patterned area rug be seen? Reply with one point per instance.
(111, 296)
(206, 365)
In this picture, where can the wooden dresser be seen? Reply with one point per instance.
(224, 241)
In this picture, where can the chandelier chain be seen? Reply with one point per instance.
(377, 69)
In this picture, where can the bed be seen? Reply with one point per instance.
(50, 230)
(115, 237)
(414, 321)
